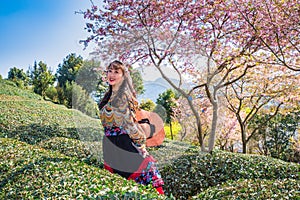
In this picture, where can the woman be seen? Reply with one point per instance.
(124, 148)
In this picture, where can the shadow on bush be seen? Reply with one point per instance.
(30, 166)
(86, 151)
(81, 143)
(35, 173)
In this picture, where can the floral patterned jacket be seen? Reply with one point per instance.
(118, 118)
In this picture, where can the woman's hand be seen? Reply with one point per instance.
(146, 129)
(142, 150)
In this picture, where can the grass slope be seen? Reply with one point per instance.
(49, 151)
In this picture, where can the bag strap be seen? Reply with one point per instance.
(152, 127)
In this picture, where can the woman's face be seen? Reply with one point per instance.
(115, 77)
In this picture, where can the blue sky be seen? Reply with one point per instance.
(40, 30)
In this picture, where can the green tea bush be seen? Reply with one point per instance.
(29, 172)
(89, 152)
(169, 151)
(35, 121)
(52, 94)
(66, 146)
(254, 189)
(191, 174)
(26, 117)
(62, 159)
(9, 88)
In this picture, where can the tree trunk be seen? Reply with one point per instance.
(198, 122)
(212, 136)
(244, 140)
(171, 130)
(196, 114)
(243, 133)
(265, 148)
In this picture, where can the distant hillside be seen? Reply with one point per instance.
(154, 88)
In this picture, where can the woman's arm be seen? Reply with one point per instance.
(126, 115)
(137, 134)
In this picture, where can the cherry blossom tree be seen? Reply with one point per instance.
(229, 136)
(213, 43)
(276, 24)
(261, 91)
(184, 115)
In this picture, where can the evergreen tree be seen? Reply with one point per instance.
(66, 75)
(41, 78)
(68, 70)
(167, 100)
(82, 101)
(148, 105)
(88, 76)
(137, 81)
(276, 134)
(18, 76)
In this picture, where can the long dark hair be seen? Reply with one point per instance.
(106, 98)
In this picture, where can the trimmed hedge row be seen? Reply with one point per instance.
(34, 121)
(89, 152)
(9, 88)
(29, 172)
(254, 189)
(191, 174)
(65, 161)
